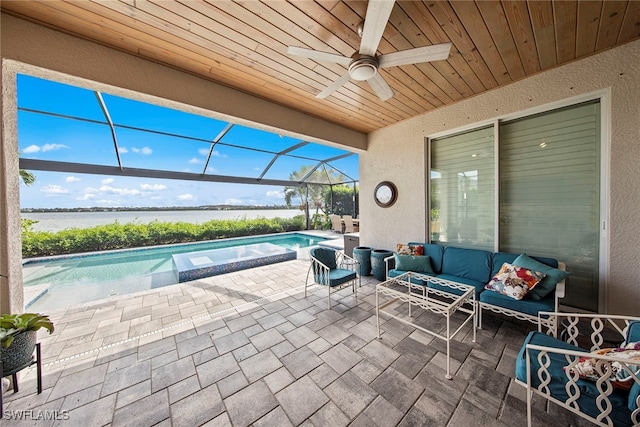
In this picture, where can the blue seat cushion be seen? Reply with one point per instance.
(414, 279)
(337, 276)
(525, 305)
(472, 264)
(621, 415)
(633, 335)
(479, 286)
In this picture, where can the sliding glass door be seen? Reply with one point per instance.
(548, 195)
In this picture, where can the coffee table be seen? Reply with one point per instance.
(406, 288)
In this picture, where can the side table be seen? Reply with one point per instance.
(14, 374)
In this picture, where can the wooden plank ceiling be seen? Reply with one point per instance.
(243, 44)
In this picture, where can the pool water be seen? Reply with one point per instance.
(54, 282)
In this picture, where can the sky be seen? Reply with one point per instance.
(58, 122)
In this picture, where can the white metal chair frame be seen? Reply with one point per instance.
(598, 322)
(322, 272)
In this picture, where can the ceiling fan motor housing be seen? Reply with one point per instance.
(363, 67)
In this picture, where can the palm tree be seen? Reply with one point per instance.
(317, 189)
(27, 177)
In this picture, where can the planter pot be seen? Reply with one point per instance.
(362, 254)
(19, 354)
(377, 263)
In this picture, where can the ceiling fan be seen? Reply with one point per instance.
(364, 64)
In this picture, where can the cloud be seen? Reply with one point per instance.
(275, 193)
(46, 147)
(107, 181)
(233, 202)
(87, 196)
(186, 196)
(51, 147)
(203, 151)
(54, 189)
(195, 161)
(31, 149)
(122, 150)
(216, 153)
(144, 150)
(153, 187)
(119, 191)
(72, 179)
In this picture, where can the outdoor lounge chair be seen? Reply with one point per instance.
(334, 270)
(336, 223)
(349, 226)
(593, 372)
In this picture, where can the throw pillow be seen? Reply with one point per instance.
(514, 281)
(410, 249)
(548, 284)
(416, 263)
(587, 366)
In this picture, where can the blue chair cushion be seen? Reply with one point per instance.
(337, 276)
(621, 415)
(525, 305)
(327, 256)
(633, 335)
(472, 264)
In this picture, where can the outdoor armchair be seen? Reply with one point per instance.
(334, 270)
(593, 371)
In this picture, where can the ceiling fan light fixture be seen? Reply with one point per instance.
(363, 68)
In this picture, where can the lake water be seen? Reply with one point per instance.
(57, 221)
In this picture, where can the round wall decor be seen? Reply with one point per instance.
(385, 194)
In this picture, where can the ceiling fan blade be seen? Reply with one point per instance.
(317, 55)
(415, 56)
(334, 86)
(375, 21)
(380, 87)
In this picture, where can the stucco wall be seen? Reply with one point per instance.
(617, 71)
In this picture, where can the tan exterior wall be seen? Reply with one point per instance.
(397, 153)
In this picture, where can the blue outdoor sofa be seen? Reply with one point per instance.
(476, 267)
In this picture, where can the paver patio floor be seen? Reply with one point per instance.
(247, 348)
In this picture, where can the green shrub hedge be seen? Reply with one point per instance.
(130, 235)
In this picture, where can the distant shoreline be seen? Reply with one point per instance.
(158, 209)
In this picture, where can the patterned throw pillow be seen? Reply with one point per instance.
(410, 249)
(621, 378)
(514, 281)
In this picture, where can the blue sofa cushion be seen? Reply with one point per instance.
(417, 263)
(434, 252)
(548, 284)
(396, 273)
(472, 264)
(525, 305)
(621, 415)
(479, 286)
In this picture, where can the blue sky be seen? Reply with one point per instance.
(59, 137)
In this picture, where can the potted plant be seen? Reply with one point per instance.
(18, 339)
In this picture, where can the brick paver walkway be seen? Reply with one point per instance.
(247, 348)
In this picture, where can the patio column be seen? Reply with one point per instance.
(11, 292)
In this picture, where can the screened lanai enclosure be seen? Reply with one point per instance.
(78, 131)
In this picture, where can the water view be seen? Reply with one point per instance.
(57, 221)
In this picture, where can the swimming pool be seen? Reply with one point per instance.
(51, 283)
